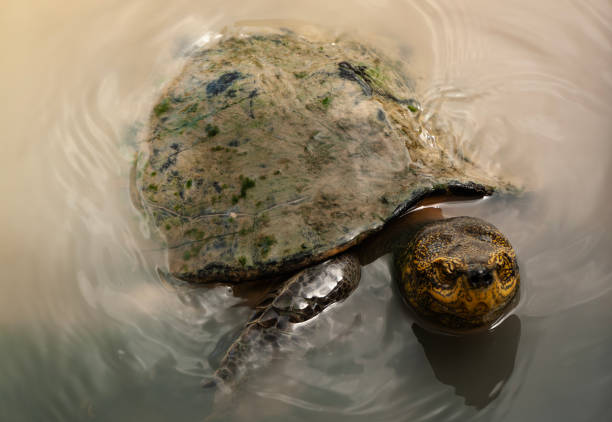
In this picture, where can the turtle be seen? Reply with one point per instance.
(276, 156)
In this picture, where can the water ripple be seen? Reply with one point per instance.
(525, 86)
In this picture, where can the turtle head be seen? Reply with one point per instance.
(461, 273)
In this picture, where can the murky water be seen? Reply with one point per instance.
(89, 331)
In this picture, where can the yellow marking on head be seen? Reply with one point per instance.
(446, 296)
(435, 270)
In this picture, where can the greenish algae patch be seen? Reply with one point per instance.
(323, 145)
(264, 244)
(162, 107)
(195, 233)
(246, 185)
(192, 252)
(191, 108)
(211, 130)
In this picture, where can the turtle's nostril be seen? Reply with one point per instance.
(481, 277)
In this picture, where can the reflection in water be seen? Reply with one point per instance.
(477, 365)
(85, 323)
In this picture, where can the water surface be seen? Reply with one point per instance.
(89, 331)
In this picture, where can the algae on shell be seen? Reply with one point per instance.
(269, 152)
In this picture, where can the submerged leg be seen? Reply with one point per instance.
(300, 298)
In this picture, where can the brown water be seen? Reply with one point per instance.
(89, 331)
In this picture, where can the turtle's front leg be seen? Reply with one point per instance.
(299, 299)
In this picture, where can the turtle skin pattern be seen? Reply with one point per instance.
(299, 299)
(460, 272)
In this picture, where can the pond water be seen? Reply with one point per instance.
(88, 330)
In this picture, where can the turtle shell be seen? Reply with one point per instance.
(270, 152)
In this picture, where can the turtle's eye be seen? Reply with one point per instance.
(445, 274)
(506, 268)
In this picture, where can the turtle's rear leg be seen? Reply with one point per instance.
(299, 299)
